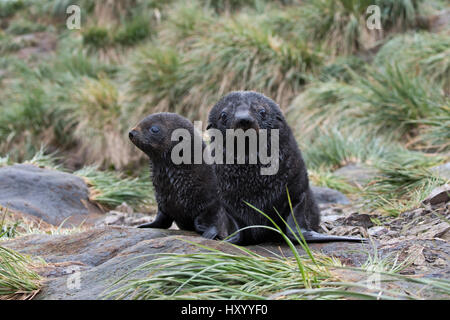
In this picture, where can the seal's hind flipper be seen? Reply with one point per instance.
(313, 236)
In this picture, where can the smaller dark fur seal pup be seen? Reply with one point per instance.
(186, 193)
(241, 183)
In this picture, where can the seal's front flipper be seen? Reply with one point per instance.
(313, 236)
(210, 233)
(162, 221)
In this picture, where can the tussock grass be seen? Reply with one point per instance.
(311, 109)
(403, 182)
(17, 278)
(111, 190)
(155, 78)
(100, 129)
(253, 57)
(334, 149)
(9, 8)
(426, 54)
(341, 25)
(396, 101)
(29, 121)
(323, 178)
(386, 102)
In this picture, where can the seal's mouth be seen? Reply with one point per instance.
(246, 124)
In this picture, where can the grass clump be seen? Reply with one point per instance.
(324, 178)
(396, 101)
(99, 127)
(10, 7)
(334, 149)
(402, 183)
(30, 121)
(341, 25)
(215, 275)
(17, 278)
(155, 78)
(246, 55)
(133, 32)
(426, 54)
(110, 189)
(96, 38)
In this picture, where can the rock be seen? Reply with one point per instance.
(442, 171)
(377, 231)
(325, 195)
(440, 21)
(38, 43)
(53, 196)
(103, 255)
(124, 207)
(357, 174)
(358, 219)
(439, 195)
(117, 218)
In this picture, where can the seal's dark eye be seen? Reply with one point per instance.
(223, 115)
(262, 112)
(154, 129)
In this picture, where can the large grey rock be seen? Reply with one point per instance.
(439, 195)
(50, 195)
(442, 171)
(325, 195)
(357, 174)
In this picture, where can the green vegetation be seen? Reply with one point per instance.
(110, 189)
(17, 278)
(377, 98)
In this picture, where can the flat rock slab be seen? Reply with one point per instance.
(325, 195)
(356, 174)
(103, 255)
(53, 196)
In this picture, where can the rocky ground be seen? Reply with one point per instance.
(108, 245)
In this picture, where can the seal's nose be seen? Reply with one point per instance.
(132, 134)
(244, 121)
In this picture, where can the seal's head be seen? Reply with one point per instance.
(153, 135)
(245, 110)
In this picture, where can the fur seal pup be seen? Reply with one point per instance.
(240, 183)
(186, 193)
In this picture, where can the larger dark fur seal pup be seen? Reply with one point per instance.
(186, 193)
(240, 183)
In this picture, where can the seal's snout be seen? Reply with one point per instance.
(132, 134)
(244, 120)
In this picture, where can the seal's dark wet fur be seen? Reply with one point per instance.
(186, 193)
(240, 183)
